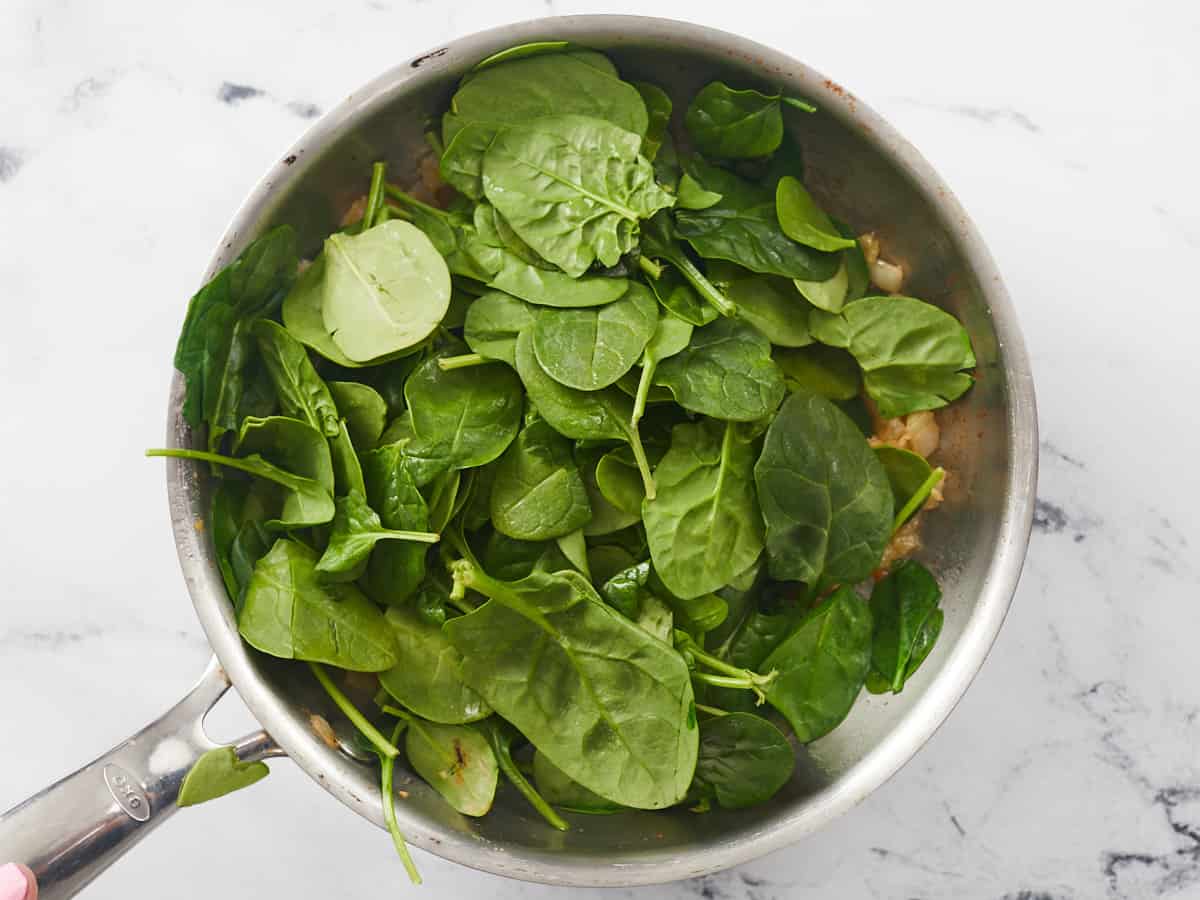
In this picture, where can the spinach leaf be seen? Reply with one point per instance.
(512, 560)
(443, 498)
(770, 305)
(744, 760)
(726, 372)
(817, 369)
(476, 509)
(911, 352)
(356, 531)
(395, 568)
(249, 287)
(559, 789)
(538, 493)
(243, 389)
(456, 761)
(618, 481)
(831, 294)
(589, 349)
(704, 527)
(347, 468)
(579, 681)
(428, 679)
(691, 195)
(912, 480)
(465, 420)
(493, 322)
(290, 444)
(534, 48)
(573, 188)
(527, 89)
(224, 521)
(495, 231)
(623, 591)
(922, 646)
(302, 317)
(822, 666)
(607, 517)
(501, 736)
(385, 290)
(291, 614)
(802, 220)
(573, 546)
(302, 394)
(658, 109)
(743, 228)
(249, 546)
(656, 618)
(603, 414)
(606, 560)
(363, 409)
(901, 604)
(825, 498)
(734, 124)
(216, 773)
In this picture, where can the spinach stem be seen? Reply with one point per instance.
(703, 286)
(465, 360)
(521, 783)
(233, 462)
(374, 195)
(396, 212)
(434, 140)
(639, 455)
(711, 710)
(649, 364)
(388, 766)
(650, 267)
(408, 200)
(369, 731)
(917, 500)
(421, 537)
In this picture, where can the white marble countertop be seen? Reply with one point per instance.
(130, 131)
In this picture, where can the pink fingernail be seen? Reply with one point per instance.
(13, 884)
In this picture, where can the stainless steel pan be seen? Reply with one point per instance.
(866, 174)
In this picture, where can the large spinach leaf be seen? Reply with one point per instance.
(769, 304)
(725, 372)
(521, 90)
(822, 665)
(704, 526)
(538, 493)
(573, 188)
(582, 683)
(589, 349)
(385, 290)
(912, 353)
(825, 498)
(744, 760)
(291, 614)
(818, 369)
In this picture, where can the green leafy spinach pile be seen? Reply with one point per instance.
(573, 462)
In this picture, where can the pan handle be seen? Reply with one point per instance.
(75, 829)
